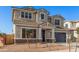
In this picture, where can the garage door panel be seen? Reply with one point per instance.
(60, 37)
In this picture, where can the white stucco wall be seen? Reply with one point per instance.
(13, 28)
(48, 34)
(75, 34)
(38, 33)
(77, 24)
(69, 24)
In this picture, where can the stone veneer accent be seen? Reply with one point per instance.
(34, 41)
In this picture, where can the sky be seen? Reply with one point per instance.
(68, 12)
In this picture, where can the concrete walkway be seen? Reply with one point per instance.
(32, 47)
(54, 47)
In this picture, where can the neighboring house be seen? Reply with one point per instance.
(32, 24)
(72, 25)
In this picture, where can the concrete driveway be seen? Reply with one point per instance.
(72, 47)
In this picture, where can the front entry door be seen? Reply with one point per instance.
(43, 35)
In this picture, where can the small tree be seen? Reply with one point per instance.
(69, 39)
(28, 31)
(77, 38)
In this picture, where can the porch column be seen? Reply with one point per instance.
(37, 18)
(53, 34)
(38, 33)
(67, 36)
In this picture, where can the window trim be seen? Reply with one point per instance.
(25, 16)
(59, 22)
(29, 14)
(40, 15)
(33, 29)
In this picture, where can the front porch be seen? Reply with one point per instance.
(35, 35)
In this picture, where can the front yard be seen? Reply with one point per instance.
(32, 47)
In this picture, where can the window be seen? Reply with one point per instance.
(30, 15)
(28, 33)
(66, 25)
(42, 16)
(57, 22)
(26, 15)
(22, 14)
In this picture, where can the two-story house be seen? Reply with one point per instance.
(30, 24)
(72, 25)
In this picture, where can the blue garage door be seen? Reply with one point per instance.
(60, 37)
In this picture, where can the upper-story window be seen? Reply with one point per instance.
(42, 16)
(57, 22)
(66, 25)
(26, 15)
(30, 15)
(22, 14)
